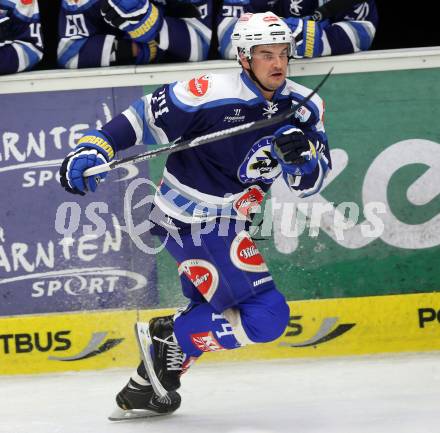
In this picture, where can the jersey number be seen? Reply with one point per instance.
(76, 26)
(233, 11)
(203, 11)
(160, 104)
(227, 328)
(35, 30)
(362, 11)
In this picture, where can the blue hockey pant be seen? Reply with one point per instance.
(233, 298)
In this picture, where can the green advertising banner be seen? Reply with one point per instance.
(375, 227)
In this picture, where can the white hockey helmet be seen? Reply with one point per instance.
(260, 29)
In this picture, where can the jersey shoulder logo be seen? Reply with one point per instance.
(249, 201)
(303, 114)
(199, 86)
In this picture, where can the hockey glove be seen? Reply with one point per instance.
(308, 36)
(146, 53)
(294, 151)
(140, 19)
(93, 149)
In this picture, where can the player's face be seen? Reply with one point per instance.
(269, 63)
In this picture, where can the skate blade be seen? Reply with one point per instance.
(122, 415)
(143, 337)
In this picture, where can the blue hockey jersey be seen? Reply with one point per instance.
(225, 177)
(348, 32)
(86, 40)
(21, 45)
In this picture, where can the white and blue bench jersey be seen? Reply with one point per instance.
(21, 45)
(86, 40)
(350, 31)
(211, 179)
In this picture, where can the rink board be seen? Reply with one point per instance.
(317, 328)
(71, 305)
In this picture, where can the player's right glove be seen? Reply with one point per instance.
(93, 149)
(140, 19)
(294, 151)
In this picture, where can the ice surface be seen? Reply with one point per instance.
(380, 394)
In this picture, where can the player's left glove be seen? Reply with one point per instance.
(294, 151)
(93, 149)
(308, 36)
(140, 19)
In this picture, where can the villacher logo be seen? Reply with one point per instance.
(328, 330)
(202, 274)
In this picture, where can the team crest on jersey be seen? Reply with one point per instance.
(259, 164)
(270, 109)
(296, 7)
(206, 342)
(199, 86)
(249, 201)
(245, 255)
(202, 274)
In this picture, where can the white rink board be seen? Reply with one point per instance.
(393, 394)
(122, 76)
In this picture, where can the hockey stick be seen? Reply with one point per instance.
(332, 8)
(208, 138)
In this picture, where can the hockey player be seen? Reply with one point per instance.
(208, 194)
(96, 33)
(21, 46)
(350, 30)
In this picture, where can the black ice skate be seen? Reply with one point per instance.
(162, 355)
(136, 401)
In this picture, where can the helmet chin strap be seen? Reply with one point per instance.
(254, 77)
